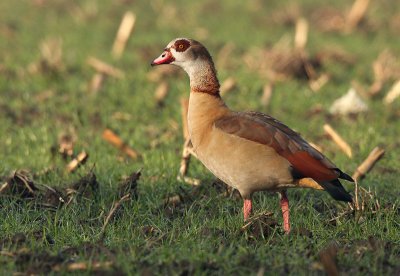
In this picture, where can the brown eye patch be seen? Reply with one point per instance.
(181, 45)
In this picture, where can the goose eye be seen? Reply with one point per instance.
(181, 45)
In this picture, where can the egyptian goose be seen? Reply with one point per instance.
(249, 151)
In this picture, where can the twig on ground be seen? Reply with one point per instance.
(79, 159)
(189, 180)
(356, 14)
(343, 145)
(356, 205)
(96, 82)
(107, 69)
(4, 187)
(114, 208)
(7, 253)
(368, 163)
(173, 200)
(124, 31)
(267, 93)
(255, 218)
(300, 38)
(81, 266)
(116, 141)
(161, 93)
(385, 67)
(393, 93)
(317, 84)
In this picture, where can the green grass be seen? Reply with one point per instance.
(202, 235)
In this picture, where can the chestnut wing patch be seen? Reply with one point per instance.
(264, 129)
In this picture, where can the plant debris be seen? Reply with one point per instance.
(327, 257)
(129, 185)
(123, 34)
(78, 160)
(104, 68)
(161, 93)
(50, 59)
(393, 93)
(386, 67)
(260, 226)
(111, 137)
(348, 104)
(112, 212)
(44, 262)
(343, 145)
(375, 155)
(87, 186)
(20, 183)
(66, 145)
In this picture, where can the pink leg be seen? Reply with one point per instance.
(246, 208)
(285, 211)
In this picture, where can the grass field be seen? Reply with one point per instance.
(45, 96)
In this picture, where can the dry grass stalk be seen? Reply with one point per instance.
(368, 163)
(66, 144)
(51, 57)
(228, 85)
(362, 197)
(51, 50)
(300, 38)
(173, 200)
(318, 83)
(107, 69)
(161, 93)
(124, 31)
(356, 14)
(83, 266)
(356, 203)
(121, 116)
(4, 187)
(184, 112)
(96, 82)
(385, 67)
(173, 124)
(116, 141)
(328, 19)
(185, 159)
(79, 159)
(7, 253)
(343, 145)
(189, 180)
(393, 93)
(254, 218)
(114, 208)
(267, 93)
